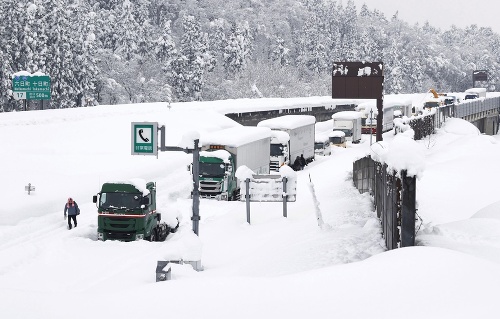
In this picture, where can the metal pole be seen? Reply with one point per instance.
(196, 187)
(380, 108)
(247, 198)
(371, 123)
(285, 197)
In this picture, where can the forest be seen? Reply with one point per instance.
(134, 51)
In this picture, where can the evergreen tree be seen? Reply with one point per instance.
(194, 59)
(238, 49)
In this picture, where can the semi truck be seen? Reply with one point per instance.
(126, 211)
(293, 136)
(222, 152)
(348, 122)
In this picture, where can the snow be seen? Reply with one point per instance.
(346, 115)
(275, 267)
(221, 154)
(288, 122)
(236, 136)
(336, 134)
(279, 137)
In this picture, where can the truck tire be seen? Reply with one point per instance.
(152, 237)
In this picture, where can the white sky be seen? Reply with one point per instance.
(441, 13)
(273, 268)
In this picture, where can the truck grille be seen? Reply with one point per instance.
(210, 186)
(274, 166)
(128, 236)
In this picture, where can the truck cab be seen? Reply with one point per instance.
(127, 211)
(322, 144)
(280, 150)
(217, 179)
(337, 138)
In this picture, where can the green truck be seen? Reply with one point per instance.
(127, 212)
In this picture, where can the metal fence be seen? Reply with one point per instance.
(394, 199)
(472, 110)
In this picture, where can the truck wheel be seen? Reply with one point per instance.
(152, 237)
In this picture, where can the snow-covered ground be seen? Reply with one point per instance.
(274, 268)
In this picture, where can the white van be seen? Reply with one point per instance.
(322, 144)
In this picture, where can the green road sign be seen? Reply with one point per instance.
(144, 138)
(31, 87)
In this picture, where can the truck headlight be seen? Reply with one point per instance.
(139, 236)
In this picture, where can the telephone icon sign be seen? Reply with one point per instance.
(145, 139)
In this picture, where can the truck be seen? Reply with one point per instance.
(126, 211)
(223, 151)
(322, 144)
(337, 138)
(348, 122)
(293, 136)
(475, 93)
(369, 114)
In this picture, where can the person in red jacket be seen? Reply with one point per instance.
(71, 210)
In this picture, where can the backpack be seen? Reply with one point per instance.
(77, 209)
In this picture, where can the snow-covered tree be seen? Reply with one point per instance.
(238, 48)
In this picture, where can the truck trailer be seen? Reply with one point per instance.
(222, 152)
(126, 211)
(348, 122)
(293, 136)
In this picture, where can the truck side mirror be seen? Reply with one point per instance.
(94, 199)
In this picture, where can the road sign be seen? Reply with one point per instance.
(144, 138)
(31, 87)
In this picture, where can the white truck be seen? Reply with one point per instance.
(223, 151)
(478, 92)
(300, 130)
(369, 120)
(322, 144)
(348, 122)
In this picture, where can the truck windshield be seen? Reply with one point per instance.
(276, 149)
(212, 169)
(336, 140)
(120, 200)
(319, 145)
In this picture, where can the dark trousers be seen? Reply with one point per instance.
(71, 217)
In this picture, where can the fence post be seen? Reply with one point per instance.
(408, 210)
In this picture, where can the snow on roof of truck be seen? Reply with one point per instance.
(235, 136)
(321, 137)
(138, 183)
(280, 136)
(388, 103)
(222, 154)
(288, 122)
(476, 90)
(350, 115)
(336, 134)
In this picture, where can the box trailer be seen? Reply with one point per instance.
(222, 152)
(298, 139)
